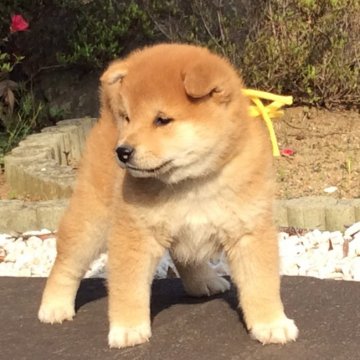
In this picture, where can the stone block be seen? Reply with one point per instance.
(280, 213)
(49, 213)
(308, 212)
(295, 213)
(16, 215)
(356, 203)
(340, 215)
(8, 209)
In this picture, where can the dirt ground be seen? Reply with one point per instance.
(327, 154)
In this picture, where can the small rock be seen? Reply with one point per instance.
(355, 269)
(36, 233)
(34, 242)
(354, 247)
(352, 230)
(49, 243)
(336, 238)
(331, 189)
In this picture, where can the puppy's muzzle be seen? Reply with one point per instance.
(125, 153)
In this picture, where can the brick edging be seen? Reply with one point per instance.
(312, 212)
(41, 166)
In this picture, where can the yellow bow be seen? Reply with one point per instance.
(268, 111)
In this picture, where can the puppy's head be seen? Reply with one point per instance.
(178, 110)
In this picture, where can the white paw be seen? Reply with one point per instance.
(206, 287)
(120, 336)
(56, 312)
(277, 332)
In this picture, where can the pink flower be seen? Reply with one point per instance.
(287, 152)
(18, 23)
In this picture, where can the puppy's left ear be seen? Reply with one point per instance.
(114, 73)
(208, 78)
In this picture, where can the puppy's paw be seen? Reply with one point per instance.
(279, 331)
(206, 287)
(56, 312)
(120, 337)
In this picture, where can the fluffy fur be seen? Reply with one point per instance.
(199, 181)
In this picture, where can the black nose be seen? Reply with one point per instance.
(124, 153)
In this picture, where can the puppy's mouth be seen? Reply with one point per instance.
(154, 170)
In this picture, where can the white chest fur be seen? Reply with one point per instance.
(195, 232)
(200, 220)
(197, 221)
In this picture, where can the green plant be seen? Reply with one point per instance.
(307, 48)
(3, 145)
(210, 24)
(7, 64)
(17, 112)
(56, 113)
(12, 195)
(101, 30)
(349, 165)
(28, 115)
(8, 61)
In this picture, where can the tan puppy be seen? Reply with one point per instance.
(195, 177)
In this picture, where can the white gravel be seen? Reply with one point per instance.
(325, 255)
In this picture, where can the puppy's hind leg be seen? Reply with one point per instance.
(200, 279)
(81, 238)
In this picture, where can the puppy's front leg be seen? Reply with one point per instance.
(81, 238)
(254, 267)
(133, 257)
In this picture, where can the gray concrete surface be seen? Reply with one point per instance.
(326, 312)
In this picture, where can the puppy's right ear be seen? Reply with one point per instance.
(114, 73)
(111, 88)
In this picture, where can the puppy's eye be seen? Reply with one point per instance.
(162, 121)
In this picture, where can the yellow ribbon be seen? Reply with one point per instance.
(267, 111)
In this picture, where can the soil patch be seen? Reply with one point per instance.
(327, 154)
(5, 192)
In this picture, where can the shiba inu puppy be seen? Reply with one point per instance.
(174, 162)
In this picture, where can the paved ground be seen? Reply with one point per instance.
(326, 311)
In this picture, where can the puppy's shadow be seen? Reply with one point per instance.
(165, 293)
(90, 290)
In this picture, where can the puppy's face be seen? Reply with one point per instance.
(176, 111)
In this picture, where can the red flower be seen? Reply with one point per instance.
(287, 152)
(18, 23)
